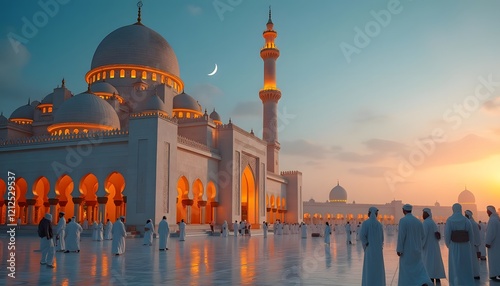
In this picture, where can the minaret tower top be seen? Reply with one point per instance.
(270, 95)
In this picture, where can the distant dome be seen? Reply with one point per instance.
(338, 194)
(48, 99)
(103, 87)
(437, 204)
(86, 109)
(215, 117)
(466, 197)
(24, 112)
(312, 200)
(155, 103)
(186, 101)
(136, 45)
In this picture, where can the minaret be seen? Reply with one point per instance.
(270, 95)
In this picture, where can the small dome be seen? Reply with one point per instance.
(338, 194)
(312, 200)
(186, 101)
(136, 45)
(87, 108)
(437, 204)
(466, 197)
(215, 116)
(24, 112)
(155, 103)
(103, 87)
(48, 99)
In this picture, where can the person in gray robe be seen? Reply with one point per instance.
(163, 233)
(431, 253)
(371, 235)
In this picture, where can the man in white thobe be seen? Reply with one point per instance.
(85, 224)
(409, 249)
(327, 233)
(61, 233)
(224, 229)
(371, 235)
(107, 230)
(164, 233)
(482, 236)
(475, 243)
(431, 251)
(303, 230)
(95, 230)
(264, 229)
(182, 230)
(459, 245)
(119, 233)
(46, 241)
(492, 243)
(149, 229)
(73, 231)
(100, 229)
(235, 228)
(348, 233)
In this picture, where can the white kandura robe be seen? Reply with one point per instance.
(459, 258)
(348, 232)
(372, 233)
(73, 231)
(482, 235)
(493, 239)
(85, 224)
(431, 254)
(327, 233)
(474, 247)
(148, 234)
(163, 233)
(100, 229)
(107, 230)
(95, 231)
(119, 234)
(182, 231)
(411, 266)
(225, 229)
(61, 233)
(264, 229)
(235, 228)
(303, 230)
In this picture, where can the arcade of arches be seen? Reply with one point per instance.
(275, 208)
(341, 218)
(197, 205)
(33, 201)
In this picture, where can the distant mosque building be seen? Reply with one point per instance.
(336, 210)
(136, 144)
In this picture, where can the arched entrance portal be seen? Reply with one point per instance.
(249, 197)
(182, 199)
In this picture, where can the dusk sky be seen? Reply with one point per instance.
(395, 99)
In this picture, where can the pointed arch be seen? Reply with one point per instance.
(182, 198)
(88, 187)
(21, 189)
(211, 201)
(114, 186)
(41, 189)
(249, 197)
(196, 213)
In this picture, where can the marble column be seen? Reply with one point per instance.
(91, 214)
(53, 209)
(118, 209)
(77, 211)
(214, 206)
(202, 206)
(22, 207)
(102, 209)
(31, 210)
(188, 203)
(124, 207)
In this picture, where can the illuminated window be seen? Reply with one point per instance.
(85, 131)
(103, 75)
(122, 73)
(60, 132)
(162, 79)
(99, 76)
(112, 74)
(188, 114)
(93, 78)
(44, 110)
(153, 76)
(132, 74)
(66, 132)
(180, 115)
(169, 82)
(50, 108)
(144, 75)
(76, 131)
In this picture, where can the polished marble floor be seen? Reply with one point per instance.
(202, 260)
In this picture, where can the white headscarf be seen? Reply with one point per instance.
(407, 207)
(428, 211)
(457, 215)
(492, 210)
(48, 216)
(373, 212)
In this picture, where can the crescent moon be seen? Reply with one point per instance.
(214, 72)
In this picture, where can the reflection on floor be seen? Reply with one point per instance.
(276, 260)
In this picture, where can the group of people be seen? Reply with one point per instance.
(420, 261)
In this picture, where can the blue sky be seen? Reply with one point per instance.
(354, 118)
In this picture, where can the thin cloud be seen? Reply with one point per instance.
(376, 171)
(194, 10)
(366, 115)
(492, 106)
(247, 109)
(304, 148)
(206, 94)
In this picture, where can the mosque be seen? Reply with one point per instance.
(336, 210)
(136, 144)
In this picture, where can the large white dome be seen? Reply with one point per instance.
(136, 45)
(338, 194)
